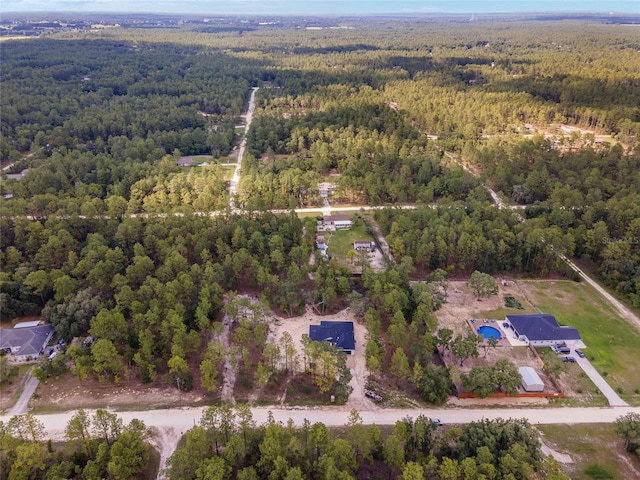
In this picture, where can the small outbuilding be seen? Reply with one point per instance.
(364, 245)
(340, 334)
(531, 381)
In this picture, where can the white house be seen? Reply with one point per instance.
(540, 330)
(337, 221)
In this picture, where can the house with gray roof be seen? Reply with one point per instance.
(540, 330)
(25, 343)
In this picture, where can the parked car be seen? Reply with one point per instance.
(580, 353)
(569, 359)
(562, 350)
(373, 395)
(437, 421)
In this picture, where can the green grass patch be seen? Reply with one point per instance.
(341, 242)
(596, 451)
(598, 472)
(613, 345)
(511, 302)
(228, 173)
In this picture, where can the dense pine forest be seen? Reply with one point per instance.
(107, 237)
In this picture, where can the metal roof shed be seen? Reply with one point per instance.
(531, 381)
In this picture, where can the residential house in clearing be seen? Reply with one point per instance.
(540, 330)
(25, 341)
(321, 245)
(325, 189)
(185, 162)
(17, 176)
(335, 222)
(340, 334)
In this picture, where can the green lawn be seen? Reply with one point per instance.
(596, 451)
(341, 242)
(228, 173)
(613, 345)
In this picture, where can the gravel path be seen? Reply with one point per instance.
(22, 405)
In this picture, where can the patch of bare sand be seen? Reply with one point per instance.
(297, 326)
(462, 304)
(165, 440)
(560, 457)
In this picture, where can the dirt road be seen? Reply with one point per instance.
(22, 405)
(169, 425)
(235, 180)
(623, 311)
(180, 420)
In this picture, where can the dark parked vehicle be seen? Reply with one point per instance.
(569, 359)
(562, 349)
(580, 353)
(373, 395)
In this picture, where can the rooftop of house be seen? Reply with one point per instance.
(338, 333)
(30, 340)
(541, 326)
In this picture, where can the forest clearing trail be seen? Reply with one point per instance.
(235, 180)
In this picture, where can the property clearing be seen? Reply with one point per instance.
(297, 326)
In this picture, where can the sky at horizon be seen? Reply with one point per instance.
(321, 7)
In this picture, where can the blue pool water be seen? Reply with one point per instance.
(489, 332)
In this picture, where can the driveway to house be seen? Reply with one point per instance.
(22, 405)
(612, 397)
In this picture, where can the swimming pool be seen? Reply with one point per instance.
(489, 332)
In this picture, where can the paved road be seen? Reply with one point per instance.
(22, 405)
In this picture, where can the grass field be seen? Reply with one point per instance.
(613, 345)
(341, 242)
(596, 451)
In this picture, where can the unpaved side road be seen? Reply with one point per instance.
(622, 310)
(170, 424)
(183, 419)
(235, 180)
